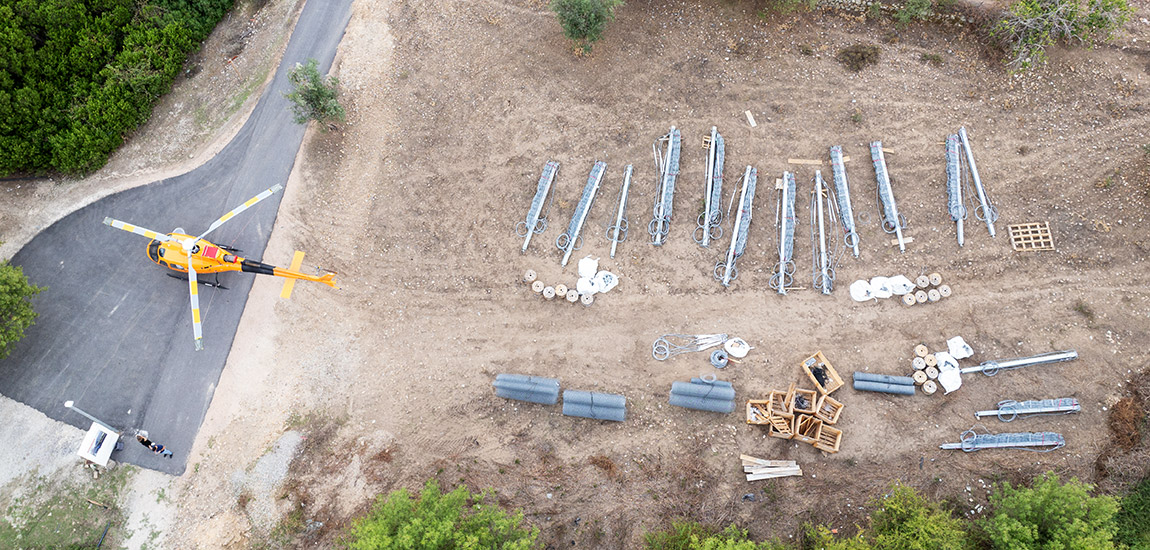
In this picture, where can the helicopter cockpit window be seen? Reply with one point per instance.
(154, 251)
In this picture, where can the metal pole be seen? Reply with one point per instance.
(71, 405)
(622, 208)
(822, 235)
(583, 214)
(735, 232)
(1041, 359)
(782, 238)
(663, 188)
(987, 210)
(710, 186)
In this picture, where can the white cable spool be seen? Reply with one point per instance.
(935, 279)
(931, 360)
(561, 291)
(922, 281)
(737, 347)
(920, 296)
(919, 363)
(860, 291)
(537, 286)
(921, 350)
(900, 285)
(530, 276)
(587, 299)
(919, 377)
(549, 293)
(931, 372)
(929, 387)
(933, 295)
(944, 291)
(880, 287)
(572, 296)
(908, 299)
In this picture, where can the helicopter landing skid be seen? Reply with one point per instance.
(213, 284)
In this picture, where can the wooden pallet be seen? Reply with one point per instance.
(829, 409)
(758, 411)
(819, 361)
(829, 439)
(1031, 236)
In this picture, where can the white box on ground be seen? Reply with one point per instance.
(98, 444)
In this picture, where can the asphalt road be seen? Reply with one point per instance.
(114, 332)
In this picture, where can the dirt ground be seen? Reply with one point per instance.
(454, 107)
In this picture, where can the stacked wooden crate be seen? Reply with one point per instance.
(802, 414)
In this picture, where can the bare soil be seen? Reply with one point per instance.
(454, 107)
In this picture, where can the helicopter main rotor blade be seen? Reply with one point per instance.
(251, 202)
(137, 230)
(194, 289)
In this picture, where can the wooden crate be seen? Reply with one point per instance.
(807, 428)
(780, 428)
(828, 410)
(829, 439)
(758, 411)
(819, 361)
(780, 402)
(812, 401)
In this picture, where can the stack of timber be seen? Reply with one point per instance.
(758, 468)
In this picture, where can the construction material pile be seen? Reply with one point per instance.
(801, 414)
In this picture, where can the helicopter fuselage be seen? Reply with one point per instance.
(207, 257)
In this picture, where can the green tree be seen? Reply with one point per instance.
(584, 21)
(16, 313)
(1134, 518)
(1031, 26)
(435, 521)
(313, 97)
(1051, 516)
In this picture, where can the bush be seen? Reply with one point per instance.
(1051, 516)
(900, 520)
(1030, 26)
(695, 536)
(16, 313)
(437, 521)
(584, 21)
(1134, 518)
(858, 57)
(313, 97)
(913, 9)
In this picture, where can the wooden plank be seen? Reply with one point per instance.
(757, 477)
(754, 469)
(812, 162)
(751, 119)
(894, 242)
(765, 462)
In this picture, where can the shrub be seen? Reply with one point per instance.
(1051, 516)
(313, 97)
(456, 520)
(858, 57)
(1134, 518)
(913, 9)
(584, 21)
(900, 520)
(1030, 26)
(695, 536)
(16, 313)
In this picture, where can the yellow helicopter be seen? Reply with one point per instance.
(184, 253)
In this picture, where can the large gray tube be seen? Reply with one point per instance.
(533, 389)
(708, 391)
(885, 379)
(699, 403)
(594, 412)
(881, 387)
(722, 383)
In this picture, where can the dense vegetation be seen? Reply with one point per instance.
(16, 313)
(76, 77)
(457, 520)
(1031, 26)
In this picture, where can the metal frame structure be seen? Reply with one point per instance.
(667, 164)
(823, 214)
(742, 226)
(535, 221)
(709, 221)
(892, 221)
(1009, 410)
(985, 210)
(567, 241)
(843, 195)
(784, 272)
(954, 185)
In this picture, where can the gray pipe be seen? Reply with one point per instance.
(600, 406)
(722, 383)
(533, 389)
(706, 391)
(702, 404)
(883, 378)
(594, 412)
(899, 389)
